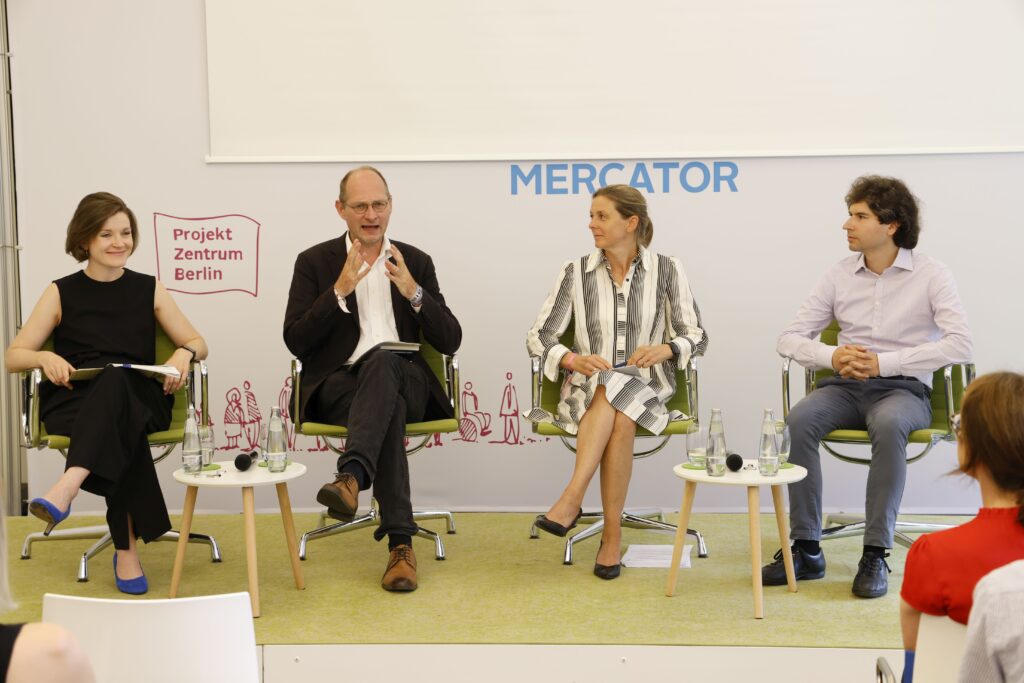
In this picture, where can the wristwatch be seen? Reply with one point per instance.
(189, 349)
(417, 298)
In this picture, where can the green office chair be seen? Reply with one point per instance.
(545, 395)
(446, 369)
(34, 436)
(948, 385)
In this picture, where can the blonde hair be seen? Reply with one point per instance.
(629, 202)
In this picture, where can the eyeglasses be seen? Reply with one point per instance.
(378, 206)
(954, 420)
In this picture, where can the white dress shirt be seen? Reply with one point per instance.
(373, 299)
(910, 315)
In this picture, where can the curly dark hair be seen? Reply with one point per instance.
(891, 201)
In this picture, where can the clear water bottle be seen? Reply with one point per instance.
(277, 442)
(191, 449)
(717, 451)
(768, 449)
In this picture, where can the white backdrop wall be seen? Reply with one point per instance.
(461, 79)
(112, 95)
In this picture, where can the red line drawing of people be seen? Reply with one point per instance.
(234, 416)
(475, 422)
(284, 402)
(509, 411)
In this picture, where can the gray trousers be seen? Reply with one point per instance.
(889, 409)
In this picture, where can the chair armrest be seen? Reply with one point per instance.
(451, 376)
(947, 385)
(204, 390)
(786, 362)
(296, 383)
(883, 672)
(692, 389)
(809, 384)
(30, 433)
(536, 381)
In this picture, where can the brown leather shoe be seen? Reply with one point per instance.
(341, 495)
(401, 572)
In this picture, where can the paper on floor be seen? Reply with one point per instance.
(654, 556)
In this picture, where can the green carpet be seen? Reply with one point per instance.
(497, 586)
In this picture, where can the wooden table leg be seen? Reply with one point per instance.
(186, 527)
(677, 550)
(754, 509)
(249, 511)
(285, 505)
(787, 552)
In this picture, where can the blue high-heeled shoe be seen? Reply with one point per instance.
(48, 512)
(136, 586)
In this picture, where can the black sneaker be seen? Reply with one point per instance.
(805, 567)
(872, 580)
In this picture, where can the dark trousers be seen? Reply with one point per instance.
(374, 401)
(889, 409)
(108, 419)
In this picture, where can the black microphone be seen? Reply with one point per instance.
(244, 461)
(734, 461)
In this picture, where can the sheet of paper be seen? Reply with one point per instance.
(631, 370)
(654, 556)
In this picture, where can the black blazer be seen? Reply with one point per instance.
(323, 336)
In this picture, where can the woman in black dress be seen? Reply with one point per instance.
(106, 313)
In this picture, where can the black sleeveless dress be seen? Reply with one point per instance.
(108, 417)
(8, 634)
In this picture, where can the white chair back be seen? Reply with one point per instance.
(209, 638)
(940, 647)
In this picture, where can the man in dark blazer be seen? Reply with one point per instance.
(348, 295)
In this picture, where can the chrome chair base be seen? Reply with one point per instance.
(650, 519)
(844, 526)
(372, 518)
(102, 534)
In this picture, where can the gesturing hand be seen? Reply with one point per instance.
(647, 356)
(350, 272)
(399, 273)
(56, 369)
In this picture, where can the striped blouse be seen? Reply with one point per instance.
(654, 305)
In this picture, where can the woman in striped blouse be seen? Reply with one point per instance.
(628, 307)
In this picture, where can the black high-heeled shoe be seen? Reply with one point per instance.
(555, 528)
(607, 572)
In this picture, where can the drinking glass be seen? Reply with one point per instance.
(263, 442)
(206, 444)
(783, 441)
(696, 446)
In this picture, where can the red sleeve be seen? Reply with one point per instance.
(922, 582)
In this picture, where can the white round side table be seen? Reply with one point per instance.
(752, 480)
(228, 476)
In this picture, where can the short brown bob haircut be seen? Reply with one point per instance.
(992, 430)
(93, 211)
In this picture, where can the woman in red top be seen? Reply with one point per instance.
(943, 567)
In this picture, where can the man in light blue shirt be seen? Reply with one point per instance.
(900, 319)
